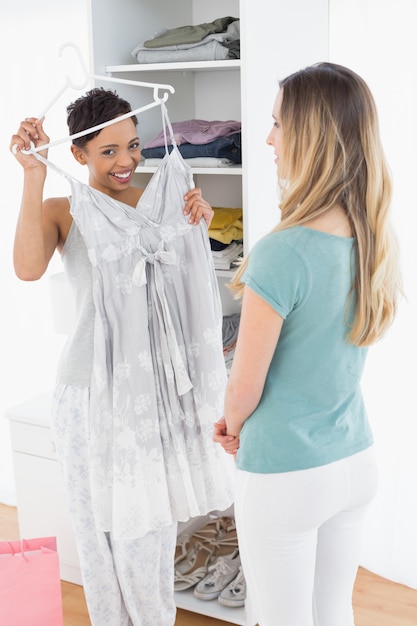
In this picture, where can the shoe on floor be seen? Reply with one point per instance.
(196, 567)
(234, 594)
(210, 533)
(220, 574)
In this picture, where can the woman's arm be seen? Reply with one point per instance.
(259, 330)
(36, 235)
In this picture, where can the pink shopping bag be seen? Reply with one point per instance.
(30, 585)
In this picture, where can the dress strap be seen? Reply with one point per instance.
(54, 167)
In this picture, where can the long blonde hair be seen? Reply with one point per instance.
(332, 155)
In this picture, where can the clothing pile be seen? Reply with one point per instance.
(230, 330)
(226, 234)
(202, 143)
(211, 41)
(208, 561)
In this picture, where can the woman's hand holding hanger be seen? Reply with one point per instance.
(30, 134)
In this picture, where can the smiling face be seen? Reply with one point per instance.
(111, 157)
(274, 138)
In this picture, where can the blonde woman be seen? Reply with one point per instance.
(316, 293)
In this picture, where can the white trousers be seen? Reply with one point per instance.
(300, 540)
(126, 582)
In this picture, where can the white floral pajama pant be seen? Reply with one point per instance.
(126, 582)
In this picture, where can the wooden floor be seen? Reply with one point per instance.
(377, 602)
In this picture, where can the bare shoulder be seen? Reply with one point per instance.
(53, 206)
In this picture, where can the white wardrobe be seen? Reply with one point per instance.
(277, 38)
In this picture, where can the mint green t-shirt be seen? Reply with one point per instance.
(311, 411)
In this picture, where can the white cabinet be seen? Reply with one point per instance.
(41, 504)
(204, 90)
(277, 38)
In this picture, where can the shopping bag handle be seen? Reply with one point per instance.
(22, 550)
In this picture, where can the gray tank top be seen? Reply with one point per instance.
(76, 361)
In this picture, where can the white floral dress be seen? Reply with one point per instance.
(158, 374)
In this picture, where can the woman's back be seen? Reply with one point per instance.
(311, 411)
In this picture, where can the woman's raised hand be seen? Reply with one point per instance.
(30, 133)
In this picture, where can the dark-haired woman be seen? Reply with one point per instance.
(128, 574)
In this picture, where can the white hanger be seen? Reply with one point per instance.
(158, 100)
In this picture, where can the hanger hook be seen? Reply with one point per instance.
(165, 96)
(70, 82)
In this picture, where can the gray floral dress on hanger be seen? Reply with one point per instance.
(158, 374)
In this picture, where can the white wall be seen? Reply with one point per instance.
(291, 35)
(377, 38)
(30, 37)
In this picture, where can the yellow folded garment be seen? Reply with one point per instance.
(226, 225)
(234, 232)
(223, 217)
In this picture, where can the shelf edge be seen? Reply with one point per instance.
(191, 66)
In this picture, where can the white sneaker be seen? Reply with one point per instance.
(220, 574)
(235, 593)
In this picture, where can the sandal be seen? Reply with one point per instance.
(211, 531)
(226, 542)
(183, 546)
(197, 563)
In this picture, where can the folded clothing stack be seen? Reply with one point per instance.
(229, 257)
(210, 41)
(226, 225)
(202, 139)
(226, 234)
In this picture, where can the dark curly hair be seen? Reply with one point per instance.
(95, 107)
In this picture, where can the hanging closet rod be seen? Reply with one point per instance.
(69, 83)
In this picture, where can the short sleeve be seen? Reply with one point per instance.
(277, 273)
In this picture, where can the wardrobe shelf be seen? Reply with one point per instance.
(212, 608)
(232, 170)
(226, 273)
(190, 66)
